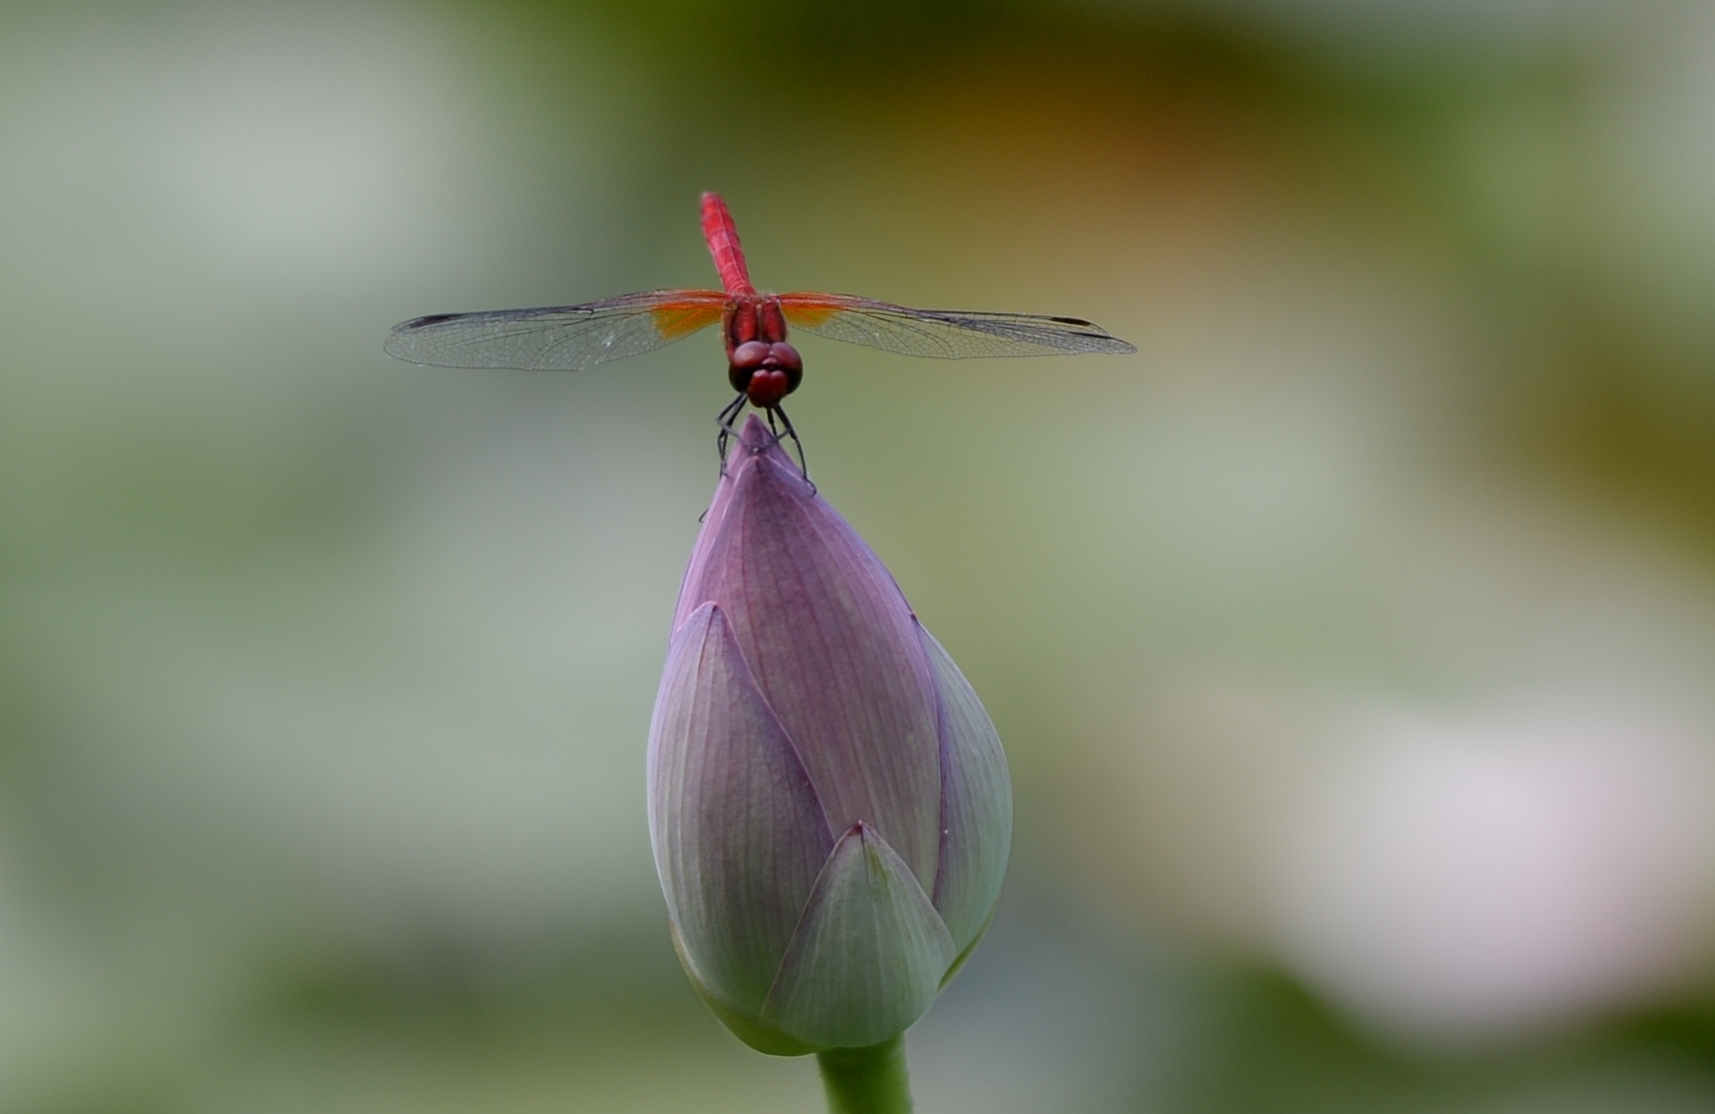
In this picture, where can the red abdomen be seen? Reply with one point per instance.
(722, 235)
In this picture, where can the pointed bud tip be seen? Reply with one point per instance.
(756, 436)
(759, 443)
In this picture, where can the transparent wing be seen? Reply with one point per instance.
(556, 338)
(947, 334)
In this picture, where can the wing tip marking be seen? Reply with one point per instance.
(424, 322)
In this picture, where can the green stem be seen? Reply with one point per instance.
(869, 1080)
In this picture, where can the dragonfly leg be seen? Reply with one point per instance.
(803, 468)
(724, 419)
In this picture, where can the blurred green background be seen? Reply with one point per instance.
(1352, 643)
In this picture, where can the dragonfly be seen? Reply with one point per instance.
(761, 365)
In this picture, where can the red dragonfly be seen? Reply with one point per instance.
(761, 365)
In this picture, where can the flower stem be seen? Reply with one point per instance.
(869, 1080)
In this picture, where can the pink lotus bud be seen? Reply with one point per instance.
(828, 800)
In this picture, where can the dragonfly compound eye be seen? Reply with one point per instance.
(785, 357)
(770, 378)
(744, 361)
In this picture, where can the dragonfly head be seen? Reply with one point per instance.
(765, 372)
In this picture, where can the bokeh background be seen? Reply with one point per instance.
(1353, 643)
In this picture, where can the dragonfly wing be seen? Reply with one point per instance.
(947, 334)
(556, 338)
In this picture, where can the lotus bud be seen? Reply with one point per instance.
(828, 801)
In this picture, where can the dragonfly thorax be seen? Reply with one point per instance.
(757, 317)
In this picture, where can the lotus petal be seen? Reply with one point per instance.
(746, 1027)
(976, 804)
(868, 958)
(738, 831)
